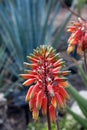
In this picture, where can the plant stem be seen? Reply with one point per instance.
(48, 115)
(48, 98)
(85, 62)
(57, 122)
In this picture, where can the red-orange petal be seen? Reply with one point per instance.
(60, 64)
(54, 102)
(56, 64)
(63, 100)
(39, 100)
(64, 93)
(32, 72)
(33, 66)
(64, 73)
(44, 105)
(34, 60)
(73, 41)
(34, 90)
(32, 103)
(64, 84)
(77, 24)
(54, 58)
(56, 70)
(27, 76)
(52, 113)
(62, 79)
(29, 93)
(29, 82)
(77, 33)
(71, 29)
(59, 101)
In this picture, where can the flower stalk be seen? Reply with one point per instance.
(47, 94)
(48, 114)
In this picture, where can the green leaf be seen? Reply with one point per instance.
(78, 118)
(84, 111)
(2, 50)
(83, 74)
(8, 27)
(74, 93)
(50, 26)
(46, 22)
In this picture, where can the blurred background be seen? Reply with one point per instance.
(24, 25)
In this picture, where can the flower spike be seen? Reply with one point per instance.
(46, 82)
(78, 38)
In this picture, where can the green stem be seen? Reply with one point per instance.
(57, 122)
(85, 62)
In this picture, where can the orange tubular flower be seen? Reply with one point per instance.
(52, 113)
(78, 36)
(45, 80)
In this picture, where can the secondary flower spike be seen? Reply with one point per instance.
(78, 36)
(45, 79)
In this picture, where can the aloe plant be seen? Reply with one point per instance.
(26, 24)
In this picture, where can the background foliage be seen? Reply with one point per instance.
(24, 25)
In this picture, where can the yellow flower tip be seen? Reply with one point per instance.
(61, 79)
(64, 73)
(68, 30)
(28, 57)
(35, 114)
(68, 97)
(27, 100)
(70, 49)
(27, 64)
(21, 75)
(29, 94)
(66, 85)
